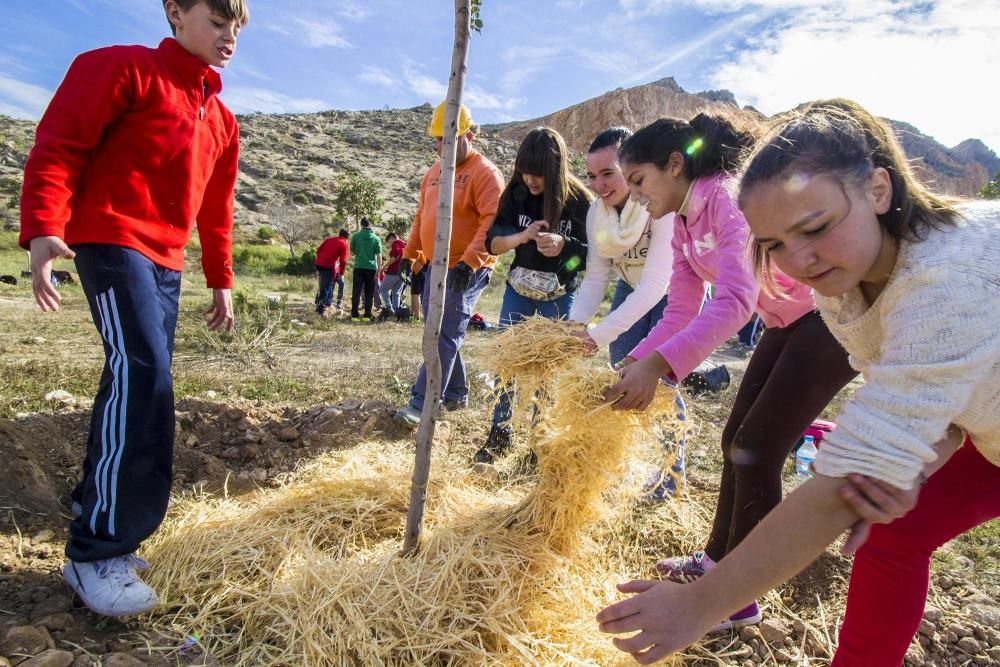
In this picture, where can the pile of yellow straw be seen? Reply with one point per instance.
(510, 572)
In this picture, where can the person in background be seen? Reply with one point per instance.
(331, 260)
(477, 192)
(543, 219)
(392, 283)
(366, 247)
(416, 277)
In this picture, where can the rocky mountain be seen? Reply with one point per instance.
(299, 155)
(291, 154)
(962, 170)
(303, 155)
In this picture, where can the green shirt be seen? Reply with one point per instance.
(365, 246)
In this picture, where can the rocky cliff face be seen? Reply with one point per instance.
(282, 156)
(631, 107)
(304, 154)
(962, 170)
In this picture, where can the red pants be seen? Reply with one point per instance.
(891, 572)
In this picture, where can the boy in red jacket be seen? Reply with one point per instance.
(331, 261)
(134, 147)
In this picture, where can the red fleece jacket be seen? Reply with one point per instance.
(332, 254)
(134, 148)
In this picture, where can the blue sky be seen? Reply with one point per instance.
(932, 63)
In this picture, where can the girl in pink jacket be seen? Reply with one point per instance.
(682, 167)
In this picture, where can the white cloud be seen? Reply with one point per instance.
(317, 33)
(680, 52)
(377, 77)
(243, 99)
(352, 11)
(637, 8)
(322, 33)
(428, 87)
(474, 96)
(22, 100)
(930, 65)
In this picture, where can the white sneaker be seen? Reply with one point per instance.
(111, 587)
(408, 416)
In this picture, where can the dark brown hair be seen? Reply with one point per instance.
(232, 9)
(840, 138)
(543, 153)
(711, 142)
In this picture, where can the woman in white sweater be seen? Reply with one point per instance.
(907, 281)
(624, 238)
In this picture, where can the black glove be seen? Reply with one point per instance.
(460, 277)
(406, 268)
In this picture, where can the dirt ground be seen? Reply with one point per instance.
(248, 413)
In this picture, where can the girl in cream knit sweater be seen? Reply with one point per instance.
(908, 283)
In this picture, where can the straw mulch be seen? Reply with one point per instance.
(510, 572)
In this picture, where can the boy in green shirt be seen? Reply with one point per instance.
(366, 247)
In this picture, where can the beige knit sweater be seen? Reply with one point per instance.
(929, 350)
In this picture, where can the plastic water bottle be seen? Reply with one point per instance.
(805, 456)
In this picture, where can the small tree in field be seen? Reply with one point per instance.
(466, 19)
(398, 225)
(294, 224)
(358, 197)
(992, 188)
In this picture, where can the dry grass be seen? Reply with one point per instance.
(310, 573)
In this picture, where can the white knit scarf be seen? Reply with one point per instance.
(614, 233)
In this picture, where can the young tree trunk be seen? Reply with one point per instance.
(438, 275)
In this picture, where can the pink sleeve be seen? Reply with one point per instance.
(736, 291)
(686, 292)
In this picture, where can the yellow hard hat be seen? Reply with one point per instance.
(436, 126)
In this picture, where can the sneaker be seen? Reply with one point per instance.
(452, 405)
(659, 487)
(749, 615)
(685, 569)
(497, 444)
(710, 381)
(408, 416)
(355, 319)
(111, 587)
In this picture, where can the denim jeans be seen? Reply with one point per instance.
(324, 297)
(391, 289)
(458, 308)
(514, 309)
(339, 280)
(627, 341)
(619, 349)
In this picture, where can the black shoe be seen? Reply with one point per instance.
(498, 443)
(451, 406)
(709, 382)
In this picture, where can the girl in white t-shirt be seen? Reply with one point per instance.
(623, 238)
(908, 282)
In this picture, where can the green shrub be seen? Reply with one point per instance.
(302, 265)
(265, 233)
(260, 260)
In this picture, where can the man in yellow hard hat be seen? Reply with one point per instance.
(477, 193)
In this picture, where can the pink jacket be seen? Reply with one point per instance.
(711, 245)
